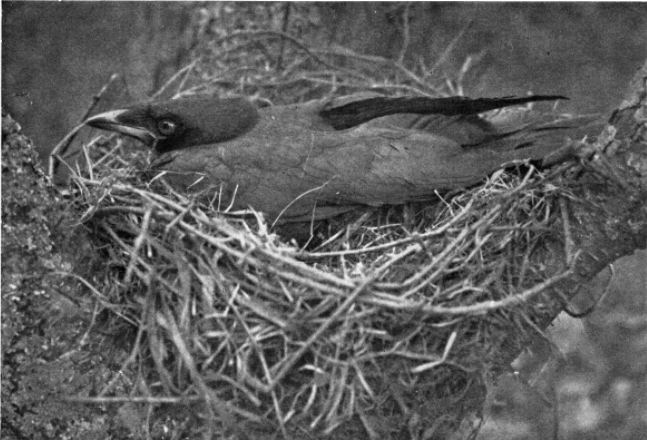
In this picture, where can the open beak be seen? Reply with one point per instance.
(122, 122)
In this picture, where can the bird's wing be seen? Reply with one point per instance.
(342, 116)
(378, 166)
(464, 129)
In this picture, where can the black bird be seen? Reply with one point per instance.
(321, 158)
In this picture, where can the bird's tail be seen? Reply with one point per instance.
(539, 139)
(342, 115)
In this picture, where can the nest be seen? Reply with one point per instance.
(389, 322)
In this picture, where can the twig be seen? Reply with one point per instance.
(287, 366)
(184, 71)
(569, 244)
(381, 248)
(61, 148)
(284, 29)
(406, 37)
(276, 34)
(96, 98)
(133, 399)
(474, 309)
(450, 47)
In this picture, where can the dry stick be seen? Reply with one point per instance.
(284, 29)
(406, 37)
(334, 71)
(248, 393)
(61, 148)
(307, 271)
(100, 297)
(442, 256)
(304, 47)
(157, 400)
(128, 249)
(383, 247)
(109, 154)
(412, 76)
(213, 401)
(374, 86)
(436, 362)
(296, 199)
(186, 70)
(139, 241)
(569, 244)
(83, 340)
(450, 47)
(86, 155)
(287, 366)
(134, 353)
(87, 284)
(96, 98)
(467, 65)
(186, 77)
(473, 309)
(310, 273)
(341, 385)
(133, 399)
(439, 263)
(332, 401)
(220, 243)
(335, 236)
(489, 218)
(266, 369)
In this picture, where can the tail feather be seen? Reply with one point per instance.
(538, 139)
(361, 111)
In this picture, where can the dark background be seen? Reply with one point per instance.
(56, 56)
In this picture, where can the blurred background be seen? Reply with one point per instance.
(591, 381)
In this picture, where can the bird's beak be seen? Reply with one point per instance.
(122, 121)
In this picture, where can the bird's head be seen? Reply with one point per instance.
(181, 123)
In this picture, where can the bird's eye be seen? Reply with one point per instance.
(166, 127)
